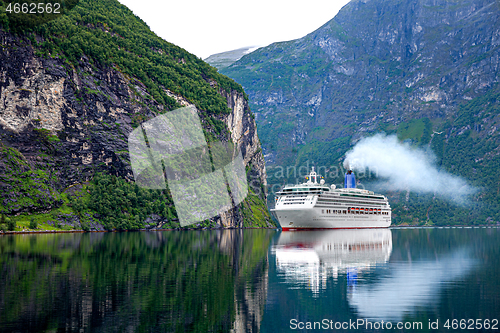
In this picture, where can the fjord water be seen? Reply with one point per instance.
(247, 280)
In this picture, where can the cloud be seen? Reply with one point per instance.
(405, 168)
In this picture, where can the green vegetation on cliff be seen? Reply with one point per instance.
(122, 205)
(29, 188)
(426, 73)
(115, 74)
(109, 34)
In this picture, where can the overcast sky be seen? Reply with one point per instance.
(207, 27)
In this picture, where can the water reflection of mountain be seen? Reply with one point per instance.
(160, 282)
(409, 286)
(310, 257)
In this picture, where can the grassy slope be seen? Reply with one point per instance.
(110, 35)
(287, 68)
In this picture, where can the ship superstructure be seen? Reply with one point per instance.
(313, 204)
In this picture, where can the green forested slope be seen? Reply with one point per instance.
(425, 70)
(111, 35)
(115, 73)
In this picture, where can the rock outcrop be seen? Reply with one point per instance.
(61, 123)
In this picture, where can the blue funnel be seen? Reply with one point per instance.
(350, 180)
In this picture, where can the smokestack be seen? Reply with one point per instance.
(350, 180)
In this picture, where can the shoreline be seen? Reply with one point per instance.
(138, 230)
(203, 229)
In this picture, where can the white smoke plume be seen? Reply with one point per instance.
(405, 168)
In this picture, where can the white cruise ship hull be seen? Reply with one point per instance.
(313, 205)
(312, 218)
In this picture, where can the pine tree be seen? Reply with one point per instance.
(11, 224)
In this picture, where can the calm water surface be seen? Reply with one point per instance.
(251, 281)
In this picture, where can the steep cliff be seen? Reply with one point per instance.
(427, 70)
(72, 90)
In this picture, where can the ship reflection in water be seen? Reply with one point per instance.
(308, 258)
(409, 286)
(375, 285)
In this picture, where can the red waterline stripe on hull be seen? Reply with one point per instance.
(309, 229)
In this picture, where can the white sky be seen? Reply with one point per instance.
(207, 27)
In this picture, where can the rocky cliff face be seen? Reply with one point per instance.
(427, 70)
(243, 131)
(60, 124)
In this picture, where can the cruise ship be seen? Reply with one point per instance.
(314, 204)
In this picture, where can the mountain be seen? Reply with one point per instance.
(71, 91)
(425, 70)
(224, 59)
